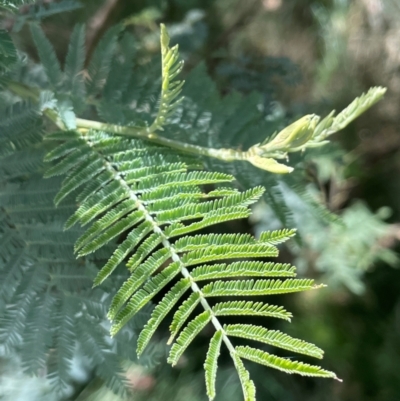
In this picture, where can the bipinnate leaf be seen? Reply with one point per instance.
(147, 204)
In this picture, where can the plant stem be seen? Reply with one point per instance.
(226, 155)
(147, 134)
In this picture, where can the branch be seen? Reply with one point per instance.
(307, 132)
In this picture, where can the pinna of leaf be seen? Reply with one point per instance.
(136, 188)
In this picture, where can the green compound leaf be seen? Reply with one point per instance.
(146, 204)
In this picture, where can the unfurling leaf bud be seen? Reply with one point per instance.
(293, 136)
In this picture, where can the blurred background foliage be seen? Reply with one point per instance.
(300, 56)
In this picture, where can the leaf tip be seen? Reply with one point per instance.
(164, 37)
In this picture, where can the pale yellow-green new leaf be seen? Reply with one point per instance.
(294, 135)
(269, 164)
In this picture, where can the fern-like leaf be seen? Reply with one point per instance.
(160, 312)
(100, 62)
(274, 338)
(127, 202)
(182, 314)
(249, 308)
(73, 69)
(330, 124)
(47, 56)
(146, 196)
(248, 388)
(76, 54)
(244, 269)
(257, 287)
(286, 365)
(277, 237)
(211, 363)
(188, 334)
(170, 88)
